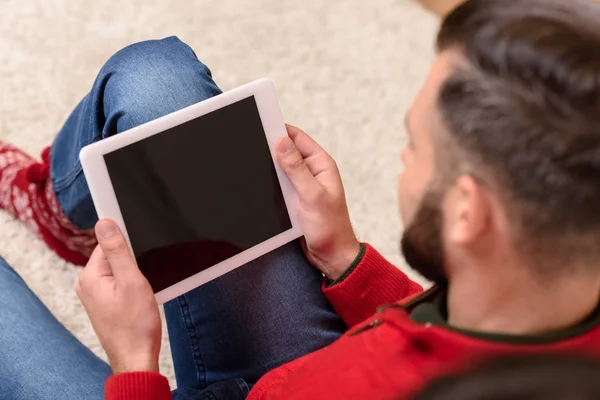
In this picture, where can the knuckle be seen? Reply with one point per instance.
(334, 164)
(297, 164)
(330, 161)
(113, 244)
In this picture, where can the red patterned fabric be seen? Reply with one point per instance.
(26, 192)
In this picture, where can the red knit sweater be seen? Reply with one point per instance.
(389, 359)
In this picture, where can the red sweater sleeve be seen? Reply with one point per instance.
(374, 282)
(137, 386)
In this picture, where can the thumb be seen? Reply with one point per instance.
(294, 166)
(115, 249)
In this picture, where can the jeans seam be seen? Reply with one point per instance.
(243, 386)
(192, 335)
(61, 183)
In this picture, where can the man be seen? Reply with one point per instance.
(499, 196)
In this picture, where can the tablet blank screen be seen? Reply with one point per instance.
(198, 193)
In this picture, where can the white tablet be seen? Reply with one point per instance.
(197, 192)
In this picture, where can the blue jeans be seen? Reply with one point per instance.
(224, 335)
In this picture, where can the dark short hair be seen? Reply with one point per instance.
(539, 377)
(523, 107)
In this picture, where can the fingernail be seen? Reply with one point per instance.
(106, 228)
(286, 145)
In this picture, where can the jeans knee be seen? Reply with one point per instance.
(147, 80)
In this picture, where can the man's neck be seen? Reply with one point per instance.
(518, 304)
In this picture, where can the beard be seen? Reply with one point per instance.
(421, 242)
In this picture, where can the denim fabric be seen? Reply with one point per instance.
(39, 358)
(224, 335)
(138, 84)
(251, 320)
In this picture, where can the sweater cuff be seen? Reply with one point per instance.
(373, 282)
(137, 386)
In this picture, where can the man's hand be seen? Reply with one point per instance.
(120, 303)
(331, 244)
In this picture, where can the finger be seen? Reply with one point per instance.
(115, 251)
(96, 267)
(304, 143)
(98, 264)
(292, 163)
(316, 158)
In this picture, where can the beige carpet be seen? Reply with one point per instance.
(345, 72)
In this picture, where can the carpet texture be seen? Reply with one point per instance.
(345, 72)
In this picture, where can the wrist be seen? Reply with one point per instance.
(351, 268)
(341, 261)
(134, 364)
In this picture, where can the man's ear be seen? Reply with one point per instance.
(441, 7)
(468, 211)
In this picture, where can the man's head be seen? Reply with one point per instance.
(504, 150)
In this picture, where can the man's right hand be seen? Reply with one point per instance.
(330, 242)
(120, 303)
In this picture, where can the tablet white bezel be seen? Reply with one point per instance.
(107, 206)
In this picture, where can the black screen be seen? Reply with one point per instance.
(198, 193)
